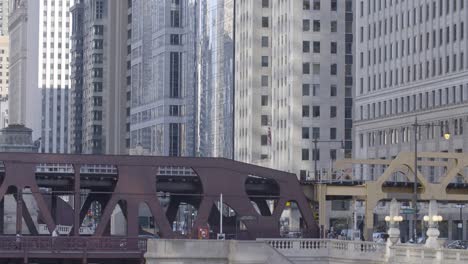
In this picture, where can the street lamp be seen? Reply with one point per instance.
(315, 154)
(460, 225)
(446, 136)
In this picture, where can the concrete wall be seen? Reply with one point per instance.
(212, 252)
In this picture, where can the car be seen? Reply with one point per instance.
(379, 237)
(457, 244)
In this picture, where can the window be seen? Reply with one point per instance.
(175, 39)
(305, 133)
(315, 89)
(332, 111)
(264, 100)
(333, 69)
(306, 5)
(174, 110)
(264, 61)
(333, 5)
(174, 74)
(333, 133)
(333, 90)
(316, 132)
(174, 139)
(333, 154)
(316, 154)
(264, 140)
(306, 46)
(264, 41)
(264, 120)
(334, 26)
(264, 80)
(265, 22)
(316, 69)
(305, 25)
(305, 154)
(265, 3)
(305, 111)
(306, 68)
(316, 4)
(316, 25)
(316, 47)
(316, 111)
(305, 89)
(333, 48)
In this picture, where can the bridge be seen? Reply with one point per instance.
(388, 179)
(82, 196)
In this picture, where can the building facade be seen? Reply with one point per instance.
(294, 67)
(98, 112)
(4, 13)
(215, 60)
(411, 62)
(39, 70)
(163, 77)
(4, 65)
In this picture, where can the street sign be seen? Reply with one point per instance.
(407, 211)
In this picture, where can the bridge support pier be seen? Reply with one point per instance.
(369, 226)
(323, 217)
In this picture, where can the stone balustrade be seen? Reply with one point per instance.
(344, 251)
(328, 250)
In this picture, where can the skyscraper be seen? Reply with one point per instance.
(294, 66)
(4, 65)
(39, 70)
(411, 63)
(215, 57)
(4, 13)
(163, 77)
(98, 113)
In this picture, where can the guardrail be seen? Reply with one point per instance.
(408, 254)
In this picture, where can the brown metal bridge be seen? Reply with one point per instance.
(47, 191)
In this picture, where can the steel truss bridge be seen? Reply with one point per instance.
(37, 185)
(390, 179)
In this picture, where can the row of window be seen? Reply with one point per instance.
(413, 73)
(427, 131)
(316, 47)
(306, 111)
(413, 43)
(316, 133)
(316, 5)
(421, 101)
(377, 5)
(316, 154)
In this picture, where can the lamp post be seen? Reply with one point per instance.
(394, 220)
(460, 225)
(315, 154)
(446, 135)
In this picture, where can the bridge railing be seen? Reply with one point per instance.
(84, 244)
(306, 248)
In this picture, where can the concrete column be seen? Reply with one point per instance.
(464, 230)
(19, 211)
(450, 228)
(322, 199)
(76, 201)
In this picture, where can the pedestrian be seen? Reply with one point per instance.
(18, 241)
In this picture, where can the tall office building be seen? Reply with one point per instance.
(215, 59)
(163, 77)
(98, 112)
(411, 62)
(294, 67)
(4, 13)
(4, 65)
(39, 69)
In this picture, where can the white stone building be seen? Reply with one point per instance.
(39, 69)
(411, 62)
(294, 83)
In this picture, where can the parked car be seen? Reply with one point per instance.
(379, 237)
(457, 244)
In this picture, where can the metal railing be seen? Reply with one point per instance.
(77, 244)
